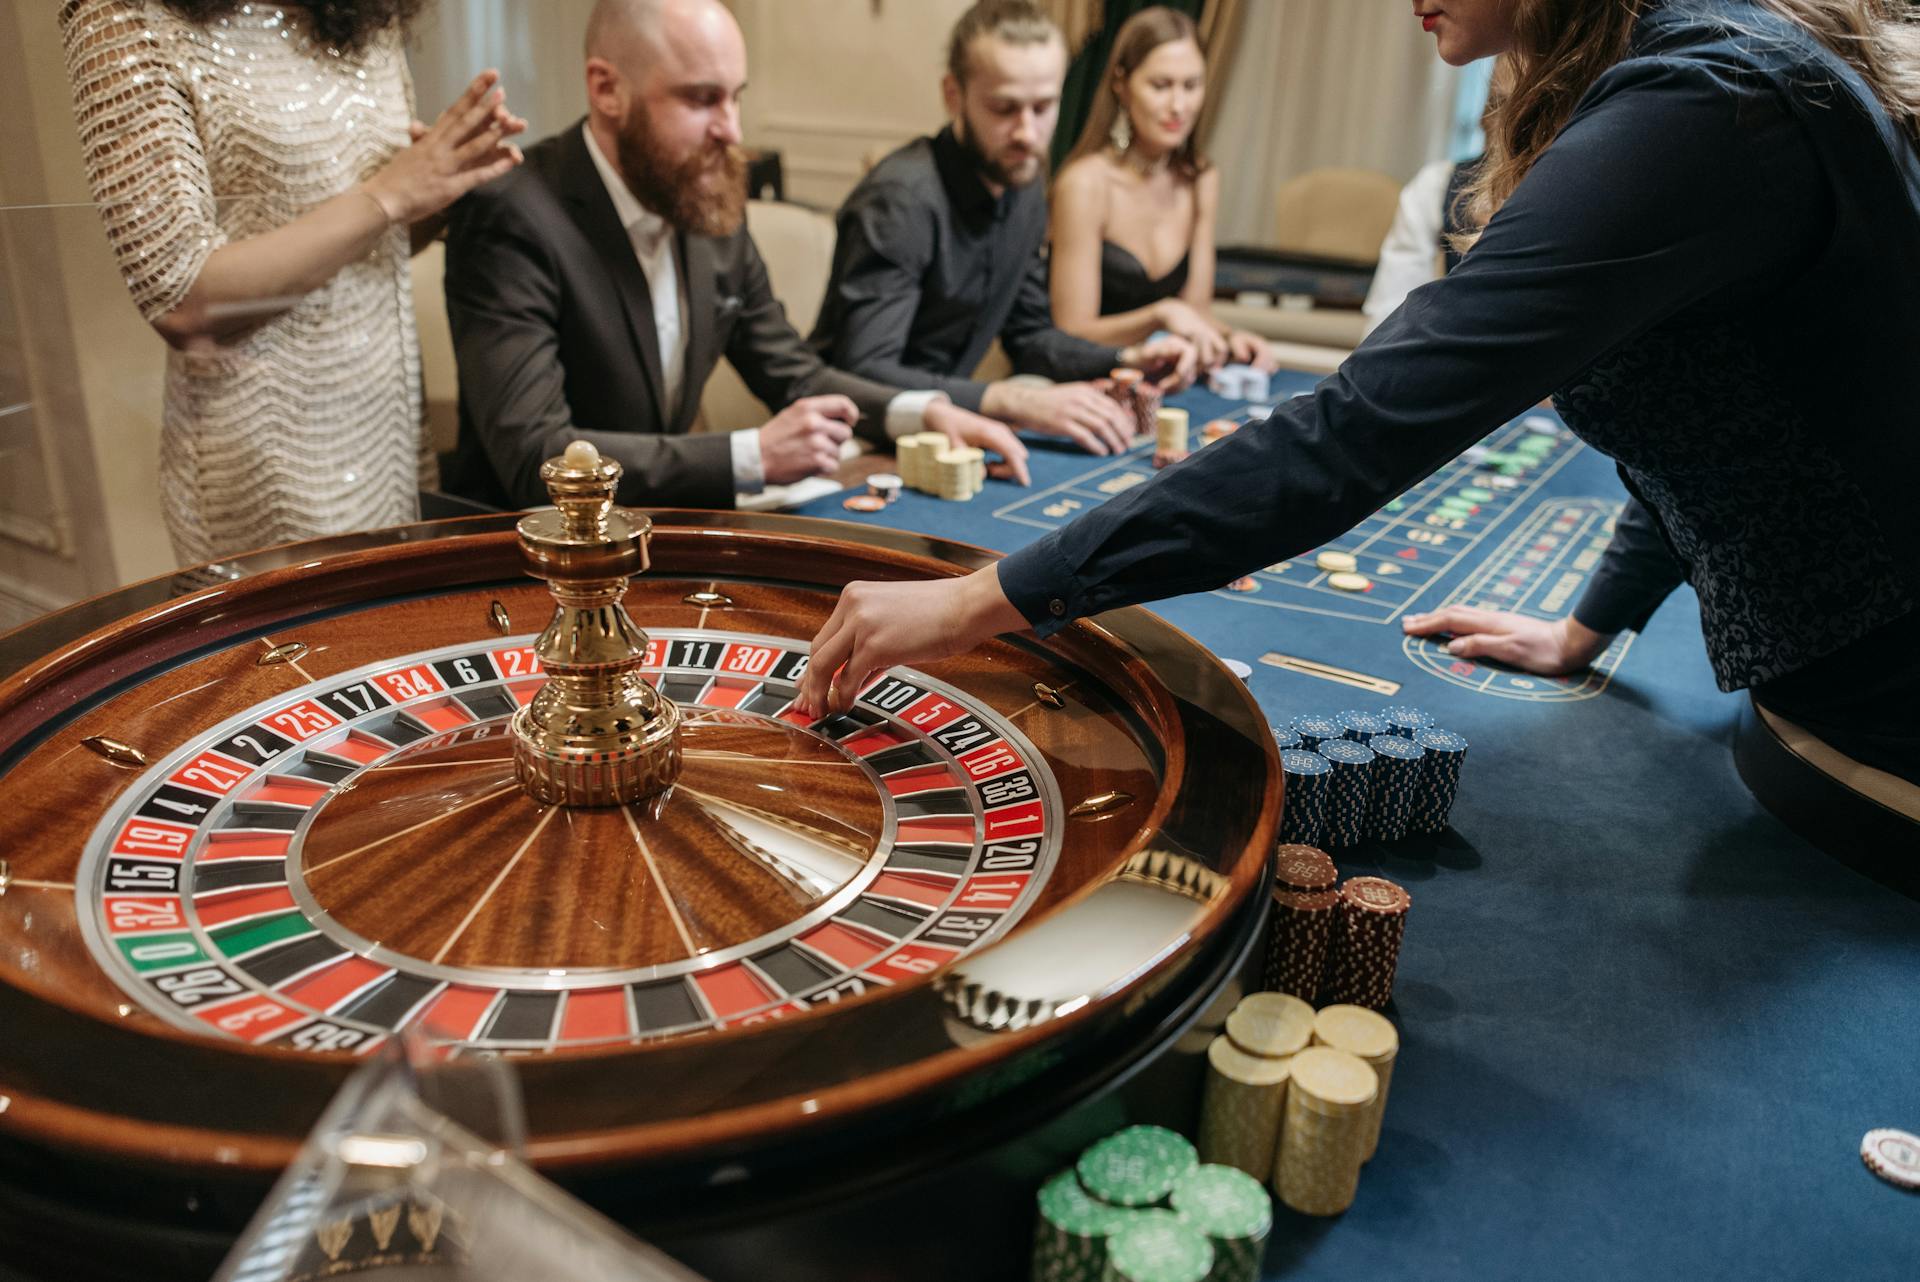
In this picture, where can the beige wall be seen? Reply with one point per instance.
(837, 81)
(81, 513)
(831, 81)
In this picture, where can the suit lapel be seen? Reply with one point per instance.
(586, 196)
(696, 268)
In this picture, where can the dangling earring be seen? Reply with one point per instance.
(1122, 133)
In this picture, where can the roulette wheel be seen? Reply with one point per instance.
(736, 955)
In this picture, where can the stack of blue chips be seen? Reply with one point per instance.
(1350, 796)
(1360, 726)
(1314, 731)
(1397, 770)
(1284, 738)
(1309, 776)
(1439, 777)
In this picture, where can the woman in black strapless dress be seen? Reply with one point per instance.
(1133, 207)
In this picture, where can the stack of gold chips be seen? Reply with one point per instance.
(1170, 437)
(1369, 1036)
(1323, 1139)
(916, 454)
(959, 474)
(1240, 1114)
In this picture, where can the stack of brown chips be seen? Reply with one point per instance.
(1139, 398)
(1372, 920)
(1300, 928)
(1146, 412)
(1123, 387)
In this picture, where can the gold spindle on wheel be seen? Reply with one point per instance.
(596, 734)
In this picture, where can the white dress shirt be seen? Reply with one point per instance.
(1410, 255)
(653, 246)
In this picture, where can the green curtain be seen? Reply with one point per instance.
(1083, 74)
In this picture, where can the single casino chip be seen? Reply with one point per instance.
(884, 485)
(1337, 562)
(1238, 668)
(1315, 730)
(1272, 1024)
(1136, 1166)
(1232, 1208)
(1405, 719)
(1349, 582)
(1158, 1246)
(1245, 583)
(1070, 1233)
(864, 503)
(1892, 1155)
(1303, 868)
(1361, 726)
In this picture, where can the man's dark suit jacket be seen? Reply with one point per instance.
(553, 331)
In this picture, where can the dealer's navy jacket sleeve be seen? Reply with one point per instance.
(1656, 196)
(1636, 573)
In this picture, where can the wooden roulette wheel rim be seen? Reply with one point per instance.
(963, 1054)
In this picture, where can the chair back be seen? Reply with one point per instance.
(1335, 213)
(796, 243)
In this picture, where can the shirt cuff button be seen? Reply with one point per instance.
(1057, 608)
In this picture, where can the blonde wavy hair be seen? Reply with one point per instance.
(1562, 47)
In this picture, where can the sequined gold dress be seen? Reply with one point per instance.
(198, 135)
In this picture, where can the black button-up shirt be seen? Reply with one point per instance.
(931, 267)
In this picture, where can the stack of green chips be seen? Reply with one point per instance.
(1232, 1209)
(1158, 1246)
(1070, 1239)
(1085, 1212)
(1137, 1166)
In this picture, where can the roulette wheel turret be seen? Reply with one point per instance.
(257, 830)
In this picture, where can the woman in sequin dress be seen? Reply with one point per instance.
(262, 187)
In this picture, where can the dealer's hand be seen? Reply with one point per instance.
(878, 625)
(1548, 647)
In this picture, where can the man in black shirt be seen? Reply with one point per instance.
(939, 248)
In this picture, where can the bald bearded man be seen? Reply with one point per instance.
(591, 294)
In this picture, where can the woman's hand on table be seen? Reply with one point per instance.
(1545, 647)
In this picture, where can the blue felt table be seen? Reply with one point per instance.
(1644, 1025)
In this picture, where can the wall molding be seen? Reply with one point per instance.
(828, 127)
